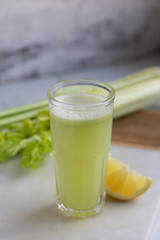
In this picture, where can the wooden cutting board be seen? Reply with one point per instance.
(141, 129)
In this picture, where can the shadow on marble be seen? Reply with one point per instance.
(15, 171)
(110, 200)
(49, 214)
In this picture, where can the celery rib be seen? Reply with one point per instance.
(136, 97)
(24, 108)
(133, 93)
(17, 118)
(141, 76)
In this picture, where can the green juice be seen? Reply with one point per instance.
(81, 142)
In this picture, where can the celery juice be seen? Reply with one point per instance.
(81, 141)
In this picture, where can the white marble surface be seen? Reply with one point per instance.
(40, 37)
(28, 208)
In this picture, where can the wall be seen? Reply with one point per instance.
(42, 37)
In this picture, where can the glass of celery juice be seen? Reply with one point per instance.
(81, 124)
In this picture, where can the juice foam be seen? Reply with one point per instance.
(81, 107)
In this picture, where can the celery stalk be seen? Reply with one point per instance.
(133, 79)
(136, 97)
(133, 93)
(23, 109)
(31, 138)
(19, 117)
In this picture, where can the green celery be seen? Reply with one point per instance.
(136, 97)
(27, 128)
(136, 78)
(10, 116)
(30, 138)
(23, 109)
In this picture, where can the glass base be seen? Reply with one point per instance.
(80, 213)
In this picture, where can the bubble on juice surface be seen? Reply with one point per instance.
(81, 107)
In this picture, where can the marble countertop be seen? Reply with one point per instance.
(27, 202)
(28, 205)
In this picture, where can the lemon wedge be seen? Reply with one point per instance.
(123, 183)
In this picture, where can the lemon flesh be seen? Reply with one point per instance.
(123, 183)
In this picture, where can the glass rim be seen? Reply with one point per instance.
(75, 82)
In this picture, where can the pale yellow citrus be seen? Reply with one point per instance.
(123, 183)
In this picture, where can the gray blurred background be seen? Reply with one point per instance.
(40, 38)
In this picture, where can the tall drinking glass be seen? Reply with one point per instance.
(81, 124)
